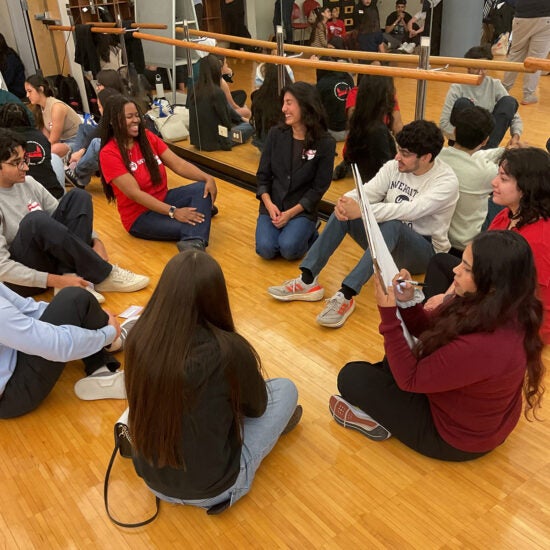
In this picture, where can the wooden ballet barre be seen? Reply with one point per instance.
(416, 74)
(368, 56)
(536, 64)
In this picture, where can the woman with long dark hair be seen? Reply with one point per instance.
(202, 418)
(457, 394)
(209, 111)
(318, 38)
(522, 185)
(133, 166)
(370, 143)
(293, 175)
(266, 104)
(58, 121)
(12, 69)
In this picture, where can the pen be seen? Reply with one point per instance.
(414, 283)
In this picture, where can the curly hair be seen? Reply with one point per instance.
(530, 167)
(421, 137)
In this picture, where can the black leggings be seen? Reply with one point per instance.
(406, 415)
(34, 377)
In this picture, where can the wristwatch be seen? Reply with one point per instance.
(172, 212)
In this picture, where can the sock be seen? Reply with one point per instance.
(307, 276)
(348, 292)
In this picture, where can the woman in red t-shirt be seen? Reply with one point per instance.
(132, 162)
(523, 187)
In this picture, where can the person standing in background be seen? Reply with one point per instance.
(282, 15)
(530, 38)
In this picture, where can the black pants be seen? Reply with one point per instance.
(406, 415)
(503, 113)
(60, 243)
(439, 274)
(288, 5)
(34, 377)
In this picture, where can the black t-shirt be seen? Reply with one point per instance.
(40, 160)
(401, 29)
(334, 89)
(210, 435)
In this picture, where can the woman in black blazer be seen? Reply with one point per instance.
(294, 173)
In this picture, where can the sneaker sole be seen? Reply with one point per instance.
(341, 321)
(313, 296)
(101, 387)
(377, 433)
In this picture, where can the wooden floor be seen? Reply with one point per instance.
(321, 487)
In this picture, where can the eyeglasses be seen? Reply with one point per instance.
(19, 163)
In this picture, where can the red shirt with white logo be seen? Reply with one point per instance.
(113, 167)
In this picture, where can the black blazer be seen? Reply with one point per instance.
(289, 185)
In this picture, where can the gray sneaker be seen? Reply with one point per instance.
(101, 385)
(122, 280)
(125, 327)
(337, 310)
(296, 289)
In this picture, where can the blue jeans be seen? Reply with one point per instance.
(259, 437)
(409, 249)
(246, 130)
(88, 164)
(157, 227)
(291, 242)
(59, 168)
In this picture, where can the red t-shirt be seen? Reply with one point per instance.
(537, 234)
(335, 27)
(113, 167)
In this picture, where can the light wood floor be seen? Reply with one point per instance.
(321, 487)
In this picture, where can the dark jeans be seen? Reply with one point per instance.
(157, 227)
(406, 415)
(503, 113)
(287, 18)
(34, 377)
(439, 274)
(60, 243)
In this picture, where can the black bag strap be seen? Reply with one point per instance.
(106, 495)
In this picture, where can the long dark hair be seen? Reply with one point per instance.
(530, 166)
(266, 101)
(113, 126)
(208, 81)
(40, 84)
(312, 111)
(14, 115)
(191, 293)
(505, 277)
(375, 103)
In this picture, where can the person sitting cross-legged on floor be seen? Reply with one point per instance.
(490, 95)
(413, 198)
(38, 338)
(46, 243)
(133, 164)
(457, 394)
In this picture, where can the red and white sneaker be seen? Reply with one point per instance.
(352, 417)
(296, 289)
(337, 310)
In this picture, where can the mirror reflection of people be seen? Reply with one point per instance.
(201, 416)
(457, 394)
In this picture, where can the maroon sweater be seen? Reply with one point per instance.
(474, 383)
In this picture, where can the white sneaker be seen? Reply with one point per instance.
(101, 385)
(99, 297)
(337, 310)
(118, 344)
(122, 280)
(409, 47)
